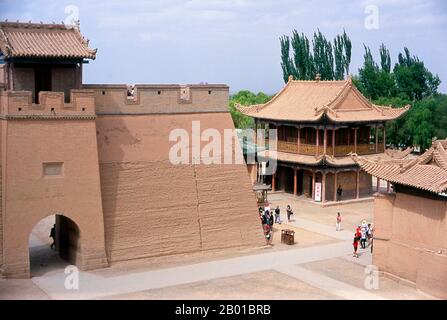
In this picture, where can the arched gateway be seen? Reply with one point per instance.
(42, 174)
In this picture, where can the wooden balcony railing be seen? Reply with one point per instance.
(340, 150)
(366, 148)
(286, 146)
(310, 149)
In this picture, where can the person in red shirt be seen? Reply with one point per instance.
(358, 232)
(355, 244)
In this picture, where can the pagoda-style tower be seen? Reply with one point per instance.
(318, 124)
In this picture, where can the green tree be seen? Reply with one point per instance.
(420, 123)
(413, 79)
(245, 97)
(305, 61)
(342, 55)
(286, 63)
(302, 57)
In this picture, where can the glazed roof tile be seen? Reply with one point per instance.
(426, 172)
(308, 101)
(35, 40)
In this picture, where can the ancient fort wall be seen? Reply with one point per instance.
(411, 240)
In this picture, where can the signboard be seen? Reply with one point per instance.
(317, 191)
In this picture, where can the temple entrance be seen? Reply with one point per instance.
(44, 256)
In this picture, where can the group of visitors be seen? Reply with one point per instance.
(269, 217)
(363, 234)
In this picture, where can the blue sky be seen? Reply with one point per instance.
(233, 41)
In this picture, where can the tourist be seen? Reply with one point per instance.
(266, 217)
(266, 206)
(339, 192)
(271, 221)
(268, 235)
(289, 212)
(53, 236)
(338, 223)
(369, 234)
(261, 215)
(363, 235)
(358, 232)
(355, 244)
(277, 215)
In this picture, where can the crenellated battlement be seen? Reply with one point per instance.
(160, 98)
(18, 104)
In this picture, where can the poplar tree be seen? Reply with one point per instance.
(306, 61)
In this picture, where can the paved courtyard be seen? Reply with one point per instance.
(319, 266)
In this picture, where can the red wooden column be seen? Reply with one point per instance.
(273, 182)
(333, 142)
(318, 141)
(388, 187)
(378, 185)
(384, 134)
(357, 191)
(335, 186)
(299, 133)
(377, 138)
(325, 140)
(355, 140)
(323, 188)
(313, 184)
(294, 182)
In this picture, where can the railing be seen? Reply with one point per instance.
(340, 150)
(343, 150)
(366, 148)
(310, 149)
(286, 146)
